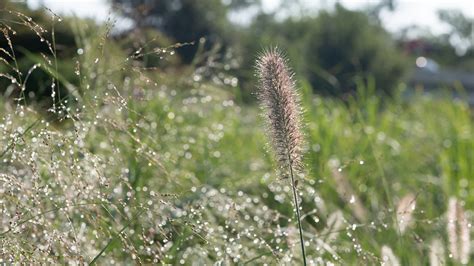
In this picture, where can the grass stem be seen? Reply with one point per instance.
(297, 213)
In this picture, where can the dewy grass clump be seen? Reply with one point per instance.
(279, 99)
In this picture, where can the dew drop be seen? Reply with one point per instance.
(352, 200)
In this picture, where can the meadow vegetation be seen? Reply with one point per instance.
(134, 164)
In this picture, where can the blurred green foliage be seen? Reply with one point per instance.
(333, 51)
(344, 47)
(183, 21)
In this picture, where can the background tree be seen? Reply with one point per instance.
(344, 46)
(184, 20)
(453, 49)
(332, 50)
(461, 29)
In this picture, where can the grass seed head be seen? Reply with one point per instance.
(458, 232)
(280, 102)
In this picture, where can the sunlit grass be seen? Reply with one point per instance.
(151, 167)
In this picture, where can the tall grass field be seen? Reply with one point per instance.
(128, 164)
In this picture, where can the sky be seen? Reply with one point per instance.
(407, 12)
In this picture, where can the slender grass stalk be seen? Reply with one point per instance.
(279, 100)
(298, 216)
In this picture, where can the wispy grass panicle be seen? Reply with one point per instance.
(388, 257)
(279, 100)
(437, 254)
(405, 209)
(347, 193)
(458, 232)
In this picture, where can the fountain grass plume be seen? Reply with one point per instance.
(388, 257)
(280, 101)
(458, 232)
(437, 254)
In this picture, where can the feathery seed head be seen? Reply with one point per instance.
(279, 99)
(388, 257)
(437, 256)
(405, 209)
(458, 232)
